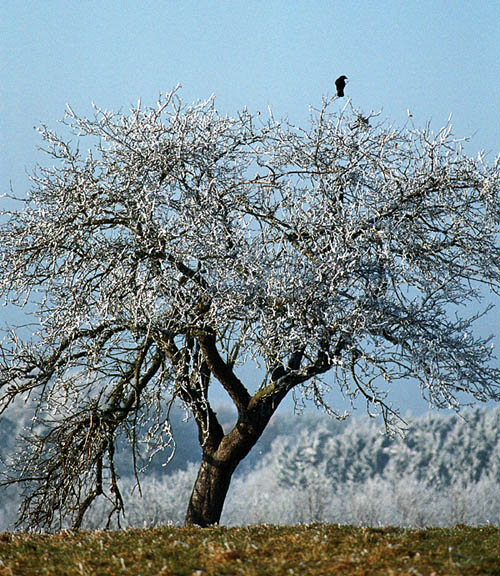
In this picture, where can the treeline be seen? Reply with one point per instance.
(310, 468)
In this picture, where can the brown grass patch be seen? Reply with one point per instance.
(257, 550)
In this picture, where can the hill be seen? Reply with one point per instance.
(306, 550)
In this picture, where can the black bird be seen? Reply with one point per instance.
(340, 85)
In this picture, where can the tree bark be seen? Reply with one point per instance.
(222, 454)
(219, 461)
(209, 492)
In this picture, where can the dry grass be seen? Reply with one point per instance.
(263, 550)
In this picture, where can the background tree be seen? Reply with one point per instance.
(185, 244)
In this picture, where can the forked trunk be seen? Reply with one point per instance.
(221, 456)
(209, 492)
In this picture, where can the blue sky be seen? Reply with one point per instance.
(435, 58)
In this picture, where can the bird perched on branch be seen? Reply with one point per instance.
(340, 85)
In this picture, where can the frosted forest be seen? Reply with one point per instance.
(444, 471)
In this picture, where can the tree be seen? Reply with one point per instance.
(185, 244)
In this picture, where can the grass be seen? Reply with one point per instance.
(264, 550)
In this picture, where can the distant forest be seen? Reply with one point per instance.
(310, 468)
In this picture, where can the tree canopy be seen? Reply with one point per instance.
(185, 243)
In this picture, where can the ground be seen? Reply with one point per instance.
(263, 550)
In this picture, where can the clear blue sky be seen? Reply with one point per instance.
(435, 58)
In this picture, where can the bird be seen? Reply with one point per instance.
(340, 85)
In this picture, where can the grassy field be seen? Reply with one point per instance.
(263, 550)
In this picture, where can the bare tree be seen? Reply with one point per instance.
(184, 244)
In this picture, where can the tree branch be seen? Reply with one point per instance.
(223, 372)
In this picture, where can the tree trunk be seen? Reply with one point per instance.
(209, 492)
(218, 463)
(221, 456)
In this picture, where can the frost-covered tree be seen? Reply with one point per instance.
(185, 244)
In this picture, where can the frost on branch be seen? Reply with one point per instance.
(184, 243)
